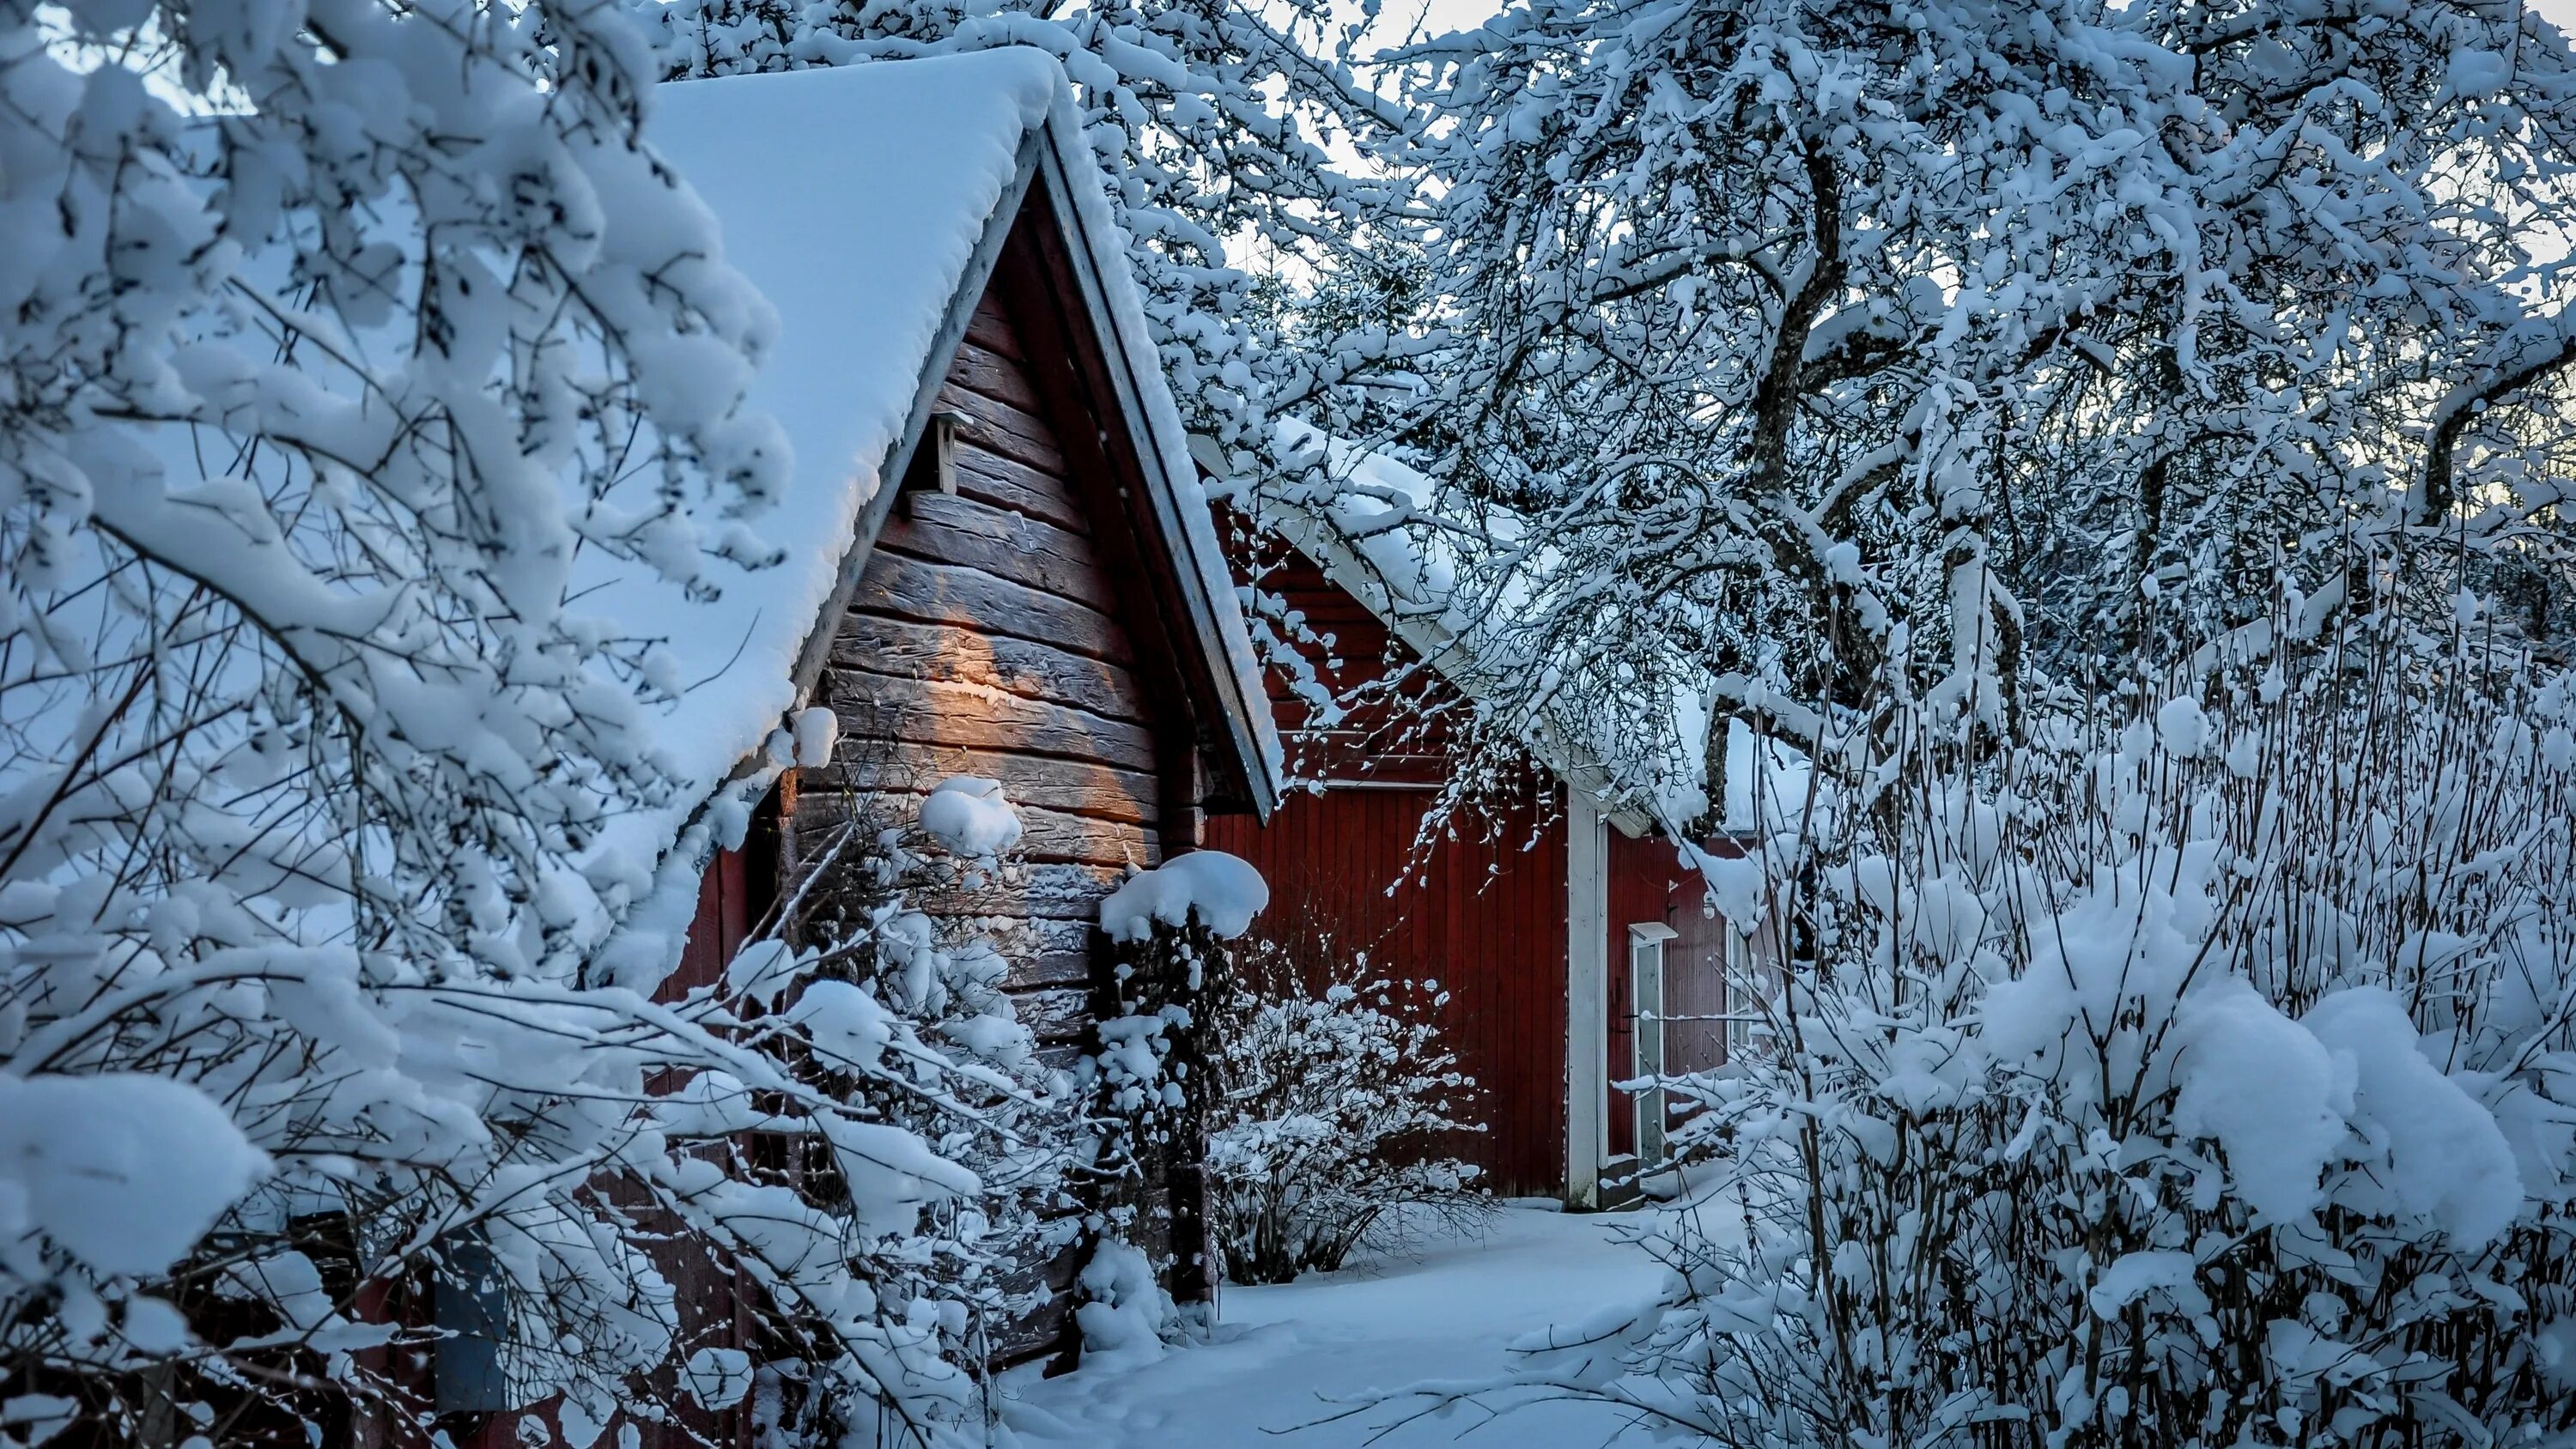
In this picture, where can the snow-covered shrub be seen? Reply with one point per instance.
(904, 1018)
(2201, 1073)
(346, 349)
(1126, 1316)
(1148, 1078)
(969, 816)
(1334, 1091)
(1220, 891)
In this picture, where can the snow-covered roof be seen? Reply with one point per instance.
(869, 203)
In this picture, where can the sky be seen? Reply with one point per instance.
(1459, 14)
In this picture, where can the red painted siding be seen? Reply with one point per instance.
(1390, 733)
(1649, 883)
(1482, 913)
(1485, 917)
(733, 895)
(727, 910)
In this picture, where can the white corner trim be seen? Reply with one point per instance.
(1587, 1000)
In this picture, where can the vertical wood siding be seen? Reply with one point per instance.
(1483, 913)
(1484, 917)
(733, 895)
(1397, 735)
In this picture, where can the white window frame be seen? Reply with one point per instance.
(1646, 965)
(1739, 1013)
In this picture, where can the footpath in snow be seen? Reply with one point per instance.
(1281, 1357)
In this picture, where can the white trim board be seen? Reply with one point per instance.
(1587, 999)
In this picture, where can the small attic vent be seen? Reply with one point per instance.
(934, 463)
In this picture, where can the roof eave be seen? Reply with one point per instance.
(1341, 565)
(1216, 620)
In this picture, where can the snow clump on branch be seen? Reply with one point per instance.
(971, 816)
(1223, 891)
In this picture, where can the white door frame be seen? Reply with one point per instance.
(1647, 1012)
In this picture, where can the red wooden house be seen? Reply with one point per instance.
(1575, 942)
(998, 559)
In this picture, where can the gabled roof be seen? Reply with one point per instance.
(1351, 542)
(871, 203)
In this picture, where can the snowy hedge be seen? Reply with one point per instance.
(2201, 1074)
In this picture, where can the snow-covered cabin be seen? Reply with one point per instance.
(1574, 940)
(999, 560)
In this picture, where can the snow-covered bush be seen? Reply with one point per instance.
(1126, 1315)
(1334, 1091)
(348, 351)
(901, 1017)
(1149, 1081)
(2201, 1073)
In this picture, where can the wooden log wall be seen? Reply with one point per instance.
(986, 639)
(991, 636)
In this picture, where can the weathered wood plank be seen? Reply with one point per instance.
(1051, 892)
(1004, 544)
(1046, 836)
(1053, 968)
(1053, 1014)
(994, 479)
(1074, 787)
(1052, 1280)
(988, 371)
(939, 593)
(991, 327)
(955, 655)
(1040, 952)
(1004, 429)
(964, 716)
(1017, 936)
(1049, 837)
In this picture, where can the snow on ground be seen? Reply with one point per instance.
(1282, 1356)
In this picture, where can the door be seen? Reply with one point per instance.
(1646, 1050)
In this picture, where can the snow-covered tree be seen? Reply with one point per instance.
(1224, 128)
(344, 347)
(1770, 342)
